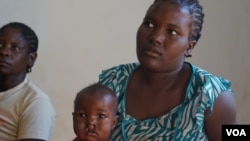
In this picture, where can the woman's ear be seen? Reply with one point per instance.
(190, 48)
(32, 58)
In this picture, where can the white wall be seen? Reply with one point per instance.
(79, 38)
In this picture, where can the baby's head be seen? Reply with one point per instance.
(95, 113)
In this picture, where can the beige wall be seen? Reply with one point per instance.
(79, 38)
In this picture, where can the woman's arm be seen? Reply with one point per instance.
(224, 112)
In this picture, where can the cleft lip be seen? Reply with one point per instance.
(91, 132)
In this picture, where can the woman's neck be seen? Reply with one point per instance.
(160, 80)
(8, 82)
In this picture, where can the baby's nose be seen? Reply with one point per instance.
(91, 123)
(91, 126)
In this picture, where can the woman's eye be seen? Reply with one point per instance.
(172, 32)
(14, 47)
(1, 44)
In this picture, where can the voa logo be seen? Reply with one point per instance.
(236, 132)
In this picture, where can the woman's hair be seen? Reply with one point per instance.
(28, 34)
(195, 10)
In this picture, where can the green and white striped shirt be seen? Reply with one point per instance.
(182, 123)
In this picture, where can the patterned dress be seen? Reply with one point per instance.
(182, 123)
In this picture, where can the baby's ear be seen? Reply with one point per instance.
(116, 120)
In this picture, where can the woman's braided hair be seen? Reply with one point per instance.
(195, 10)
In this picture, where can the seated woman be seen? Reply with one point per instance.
(26, 112)
(163, 97)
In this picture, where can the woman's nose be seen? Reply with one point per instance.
(157, 36)
(4, 50)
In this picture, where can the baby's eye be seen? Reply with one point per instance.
(172, 32)
(101, 116)
(148, 24)
(83, 115)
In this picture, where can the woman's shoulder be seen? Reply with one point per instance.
(124, 67)
(208, 86)
(116, 77)
(118, 71)
(204, 77)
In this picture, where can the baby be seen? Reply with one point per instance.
(95, 113)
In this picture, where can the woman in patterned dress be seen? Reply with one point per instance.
(163, 97)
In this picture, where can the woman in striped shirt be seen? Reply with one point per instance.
(163, 97)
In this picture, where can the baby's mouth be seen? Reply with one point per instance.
(91, 132)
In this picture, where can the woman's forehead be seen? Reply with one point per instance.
(169, 13)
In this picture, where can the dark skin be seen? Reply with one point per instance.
(14, 60)
(161, 81)
(97, 113)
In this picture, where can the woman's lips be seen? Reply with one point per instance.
(4, 63)
(152, 53)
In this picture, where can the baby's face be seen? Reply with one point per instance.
(94, 117)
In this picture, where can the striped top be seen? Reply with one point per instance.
(184, 122)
